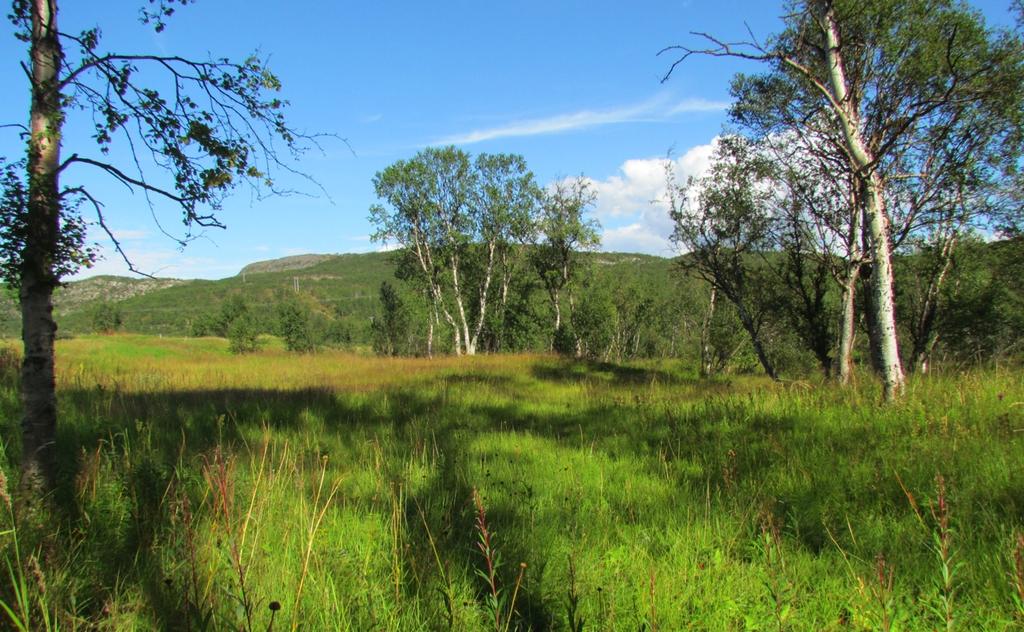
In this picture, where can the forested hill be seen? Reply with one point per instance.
(344, 288)
(626, 306)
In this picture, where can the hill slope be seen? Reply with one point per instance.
(167, 306)
(346, 286)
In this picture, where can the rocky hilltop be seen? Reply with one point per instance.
(294, 262)
(106, 288)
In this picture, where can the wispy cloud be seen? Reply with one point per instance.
(698, 105)
(130, 234)
(161, 262)
(657, 109)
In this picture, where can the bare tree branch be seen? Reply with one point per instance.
(102, 222)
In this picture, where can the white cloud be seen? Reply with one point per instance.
(698, 105)
(636, 237)
(387, 246)
(166, 263)
(657, 109)
(130, 235)
(633, 206)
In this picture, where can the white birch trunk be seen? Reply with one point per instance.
(38, 383)
(847, 318)
(488, 274)
(706, 364)
(468, 344)
(847, 322)
(883, 302)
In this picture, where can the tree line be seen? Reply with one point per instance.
(878, 131)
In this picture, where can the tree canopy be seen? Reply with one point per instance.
(189, 132)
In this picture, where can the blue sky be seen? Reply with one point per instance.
(572, 86)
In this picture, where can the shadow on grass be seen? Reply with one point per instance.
(159, 433)
(730, 451)
(615, 374)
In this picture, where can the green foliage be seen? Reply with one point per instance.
(235, 321)
(564, 342)
(980, 311)
(337, 333)
(233, 307)
(244, 334)
(595, 322)
(219, 323)
(107, 318)
(729, 344)
(297, 327)
(72, 253)
(462, 224)
(724, 221)
(659, 309)
(522, 323)
(564, 232)
(10, 364)
(205, 324)
(391, 327)
(210, 124)
(868, 92)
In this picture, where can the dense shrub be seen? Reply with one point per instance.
(107, 318)
(244, 334)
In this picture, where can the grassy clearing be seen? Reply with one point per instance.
(201, 489)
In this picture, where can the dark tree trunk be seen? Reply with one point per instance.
(755, 339)
(874, 347)
(807, 309)
(37, 278)
(925, 334)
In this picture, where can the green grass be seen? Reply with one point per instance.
(198, 488)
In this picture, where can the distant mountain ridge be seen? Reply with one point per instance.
(293, 262)
(345, 286)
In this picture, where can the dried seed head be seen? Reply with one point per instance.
(5, 495)
(37, 574)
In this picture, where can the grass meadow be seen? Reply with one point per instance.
(205, 491)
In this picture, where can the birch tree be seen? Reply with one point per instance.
(790, 120)
(723, 224)
(881, 70)
(204, 126)
(459, 221)
(509, 202)
(821, 236)
(563, 232)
